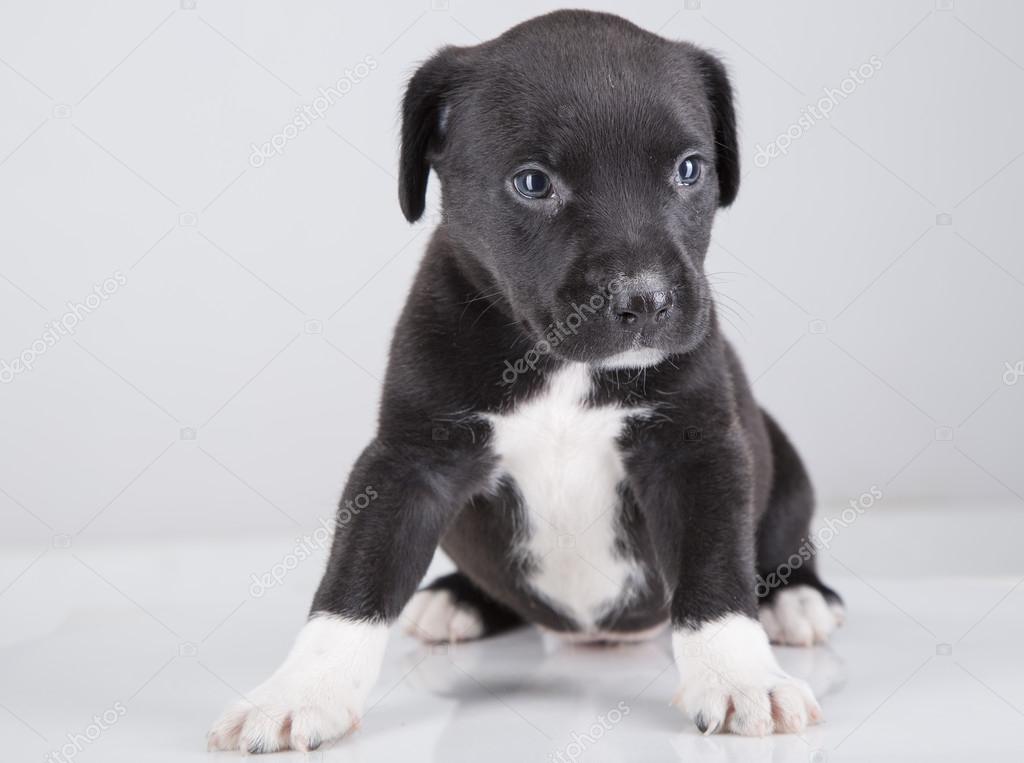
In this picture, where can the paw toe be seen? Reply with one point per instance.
(838, 612)
(709, 711)
(796, 627)
(752, 713)
(819, 616)
(311, 726)
(226, 731)
(789, 709)
(263, 731)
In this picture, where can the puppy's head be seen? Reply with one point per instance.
(581, 162)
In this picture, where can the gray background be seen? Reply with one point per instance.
(872, 276)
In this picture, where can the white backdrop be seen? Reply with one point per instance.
(225, 371)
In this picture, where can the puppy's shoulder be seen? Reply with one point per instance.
(452, 339)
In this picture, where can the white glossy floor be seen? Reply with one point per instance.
(159, 637)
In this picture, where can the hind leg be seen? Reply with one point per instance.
(795, 607)
(453, 608)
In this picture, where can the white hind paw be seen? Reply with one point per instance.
(800, 616)
(433, 616)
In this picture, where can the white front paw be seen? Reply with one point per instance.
(316, 696)
(274, 718)
(731, 681)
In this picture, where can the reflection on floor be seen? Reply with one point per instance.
(128, 653)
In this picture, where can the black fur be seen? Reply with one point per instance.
(422, 134)
(715, 493)
(724, 119)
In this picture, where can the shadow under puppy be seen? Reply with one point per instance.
(561, 412)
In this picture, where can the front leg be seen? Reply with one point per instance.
(397, 501)
(699, 505)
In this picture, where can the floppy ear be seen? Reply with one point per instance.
(727, 154)
(424, 114)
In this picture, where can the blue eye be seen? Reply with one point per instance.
(532, 184)
(689, 170)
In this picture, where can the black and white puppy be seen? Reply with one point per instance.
(561, 412)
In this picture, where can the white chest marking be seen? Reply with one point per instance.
(564, 459)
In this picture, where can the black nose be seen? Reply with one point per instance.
(640, 307)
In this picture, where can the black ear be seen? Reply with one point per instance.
(727, 153)
(424, 115)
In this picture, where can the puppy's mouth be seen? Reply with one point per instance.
(603, 338)
(607, 343)
(643, 341)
